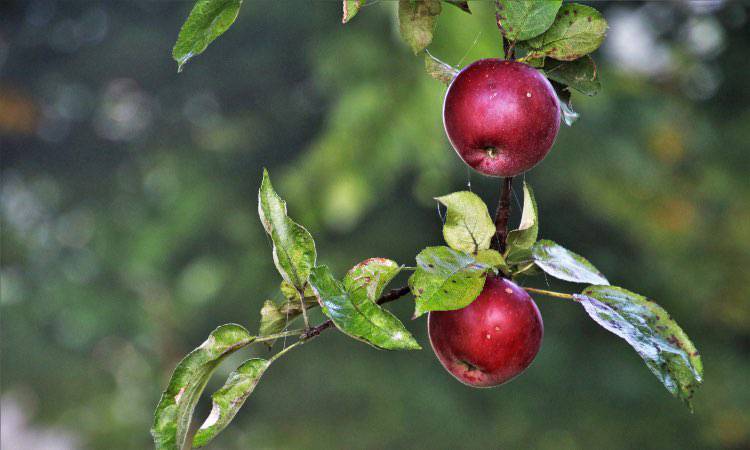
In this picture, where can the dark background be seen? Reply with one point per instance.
(130, 231)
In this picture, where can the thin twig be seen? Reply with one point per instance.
(283, 334)
(502, 215)
(549, 293)
(284, 350)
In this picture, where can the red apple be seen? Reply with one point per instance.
(490, 341)
(502, 117)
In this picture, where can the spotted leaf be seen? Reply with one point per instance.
(175, 409)
(352, 306)
(446, 279)
(648, 328)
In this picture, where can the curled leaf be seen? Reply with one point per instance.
(293, 246)
(527, 232)
(438, 69)
(228, 400)
(175, 409)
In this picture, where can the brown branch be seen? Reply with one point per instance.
(390, 296)
(502, 215)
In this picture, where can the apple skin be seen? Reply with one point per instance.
(490, 341)
(501, 116)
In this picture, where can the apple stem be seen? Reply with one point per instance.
(502, 215)
(549, 293)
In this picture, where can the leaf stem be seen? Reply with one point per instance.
(302, 305)
(549, 293)
(283, 334)
(284, 350)
(502, 215)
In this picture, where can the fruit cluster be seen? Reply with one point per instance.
(502, 118)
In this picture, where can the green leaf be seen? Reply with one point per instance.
(417, 20)
(351, 7)
(439, 70)
(577, 31)
(445, 279)
(468, 225)
(293, 246)
(292, 294)
(491, 258)
(228, 400)
(272, 320)
(352, 308)
(175, 409)
(561, 263)
(519, 256)
(647, 327)
(569, 115)
(524, 19)
(580, 74)
(370, 277)
(208, 20)
(524, 270)
(528, 230)
(463, 5)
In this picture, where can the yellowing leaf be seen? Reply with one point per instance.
(468, 225)
(417, 20)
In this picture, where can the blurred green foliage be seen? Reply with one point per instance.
(130, 229)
